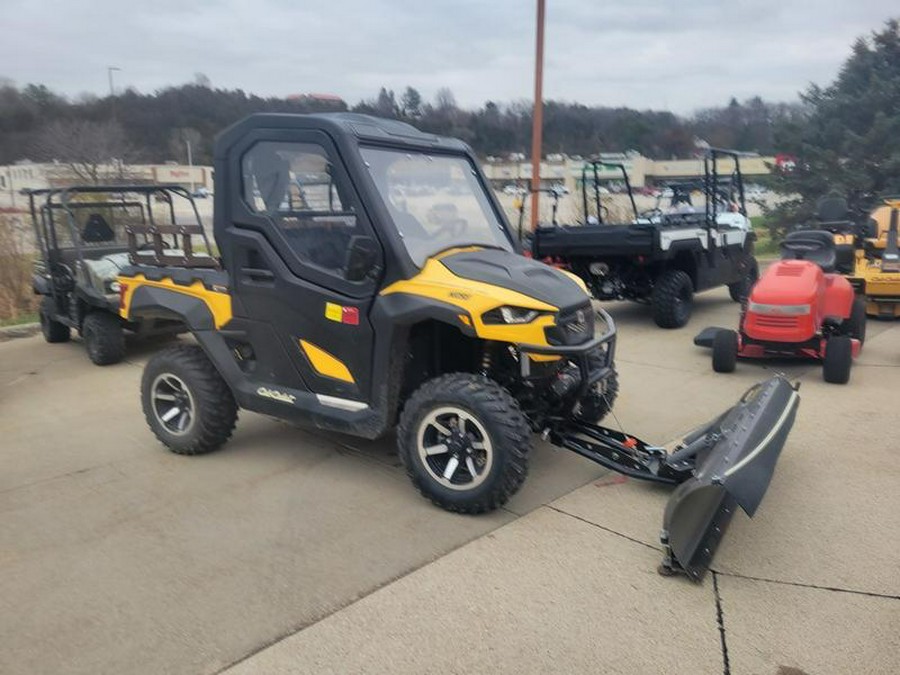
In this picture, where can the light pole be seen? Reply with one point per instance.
(187, 142)
(112, 91)
(538, 116)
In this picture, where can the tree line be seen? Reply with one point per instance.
(845, 136)
(154, 127)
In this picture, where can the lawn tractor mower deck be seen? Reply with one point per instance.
(370, 282)
(798, 308)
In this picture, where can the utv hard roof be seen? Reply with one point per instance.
(350, 126)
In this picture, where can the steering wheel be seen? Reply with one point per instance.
(452, 229)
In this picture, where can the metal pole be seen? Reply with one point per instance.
(190, 163)
(538, 116)
(112, 92)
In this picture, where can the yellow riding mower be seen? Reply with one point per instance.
(876, 274)
(369, 281)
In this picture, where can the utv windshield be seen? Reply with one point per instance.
(436, 201)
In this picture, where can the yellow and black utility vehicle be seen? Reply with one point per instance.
(369, 281)
(876, 274)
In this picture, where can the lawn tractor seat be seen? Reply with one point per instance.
(817, 246)
(832, 209)
(833, 215)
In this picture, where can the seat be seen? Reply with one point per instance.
(832, 209)
(272, 173)
(816, 246)
(97, 230)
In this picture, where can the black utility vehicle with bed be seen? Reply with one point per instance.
(663, 259)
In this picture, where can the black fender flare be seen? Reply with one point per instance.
(163, 303)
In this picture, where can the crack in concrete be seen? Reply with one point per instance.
(605, 529)
(720, 615)
(800, 584)
(720, 620)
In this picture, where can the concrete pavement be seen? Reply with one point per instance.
(117, 556)
(290, 551)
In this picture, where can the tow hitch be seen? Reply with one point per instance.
(723, 464)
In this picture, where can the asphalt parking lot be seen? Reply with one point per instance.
(298, 551)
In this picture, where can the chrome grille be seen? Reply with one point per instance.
(572, 326)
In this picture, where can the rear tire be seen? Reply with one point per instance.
(838, 359)
(484, 459)
(855, 326)
(53, 331)
(740, 290)
(184, 380)
(725, 350)
(672, 299)
(104, 338)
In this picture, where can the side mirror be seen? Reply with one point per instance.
(362, 258)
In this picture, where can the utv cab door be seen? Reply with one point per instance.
(304, 266)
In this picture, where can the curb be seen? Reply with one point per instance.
(22, 330)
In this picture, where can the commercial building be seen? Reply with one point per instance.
(642, 171)
(15, 178)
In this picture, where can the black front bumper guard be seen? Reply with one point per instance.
(590, 372)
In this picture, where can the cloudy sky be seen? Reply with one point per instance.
(679, 55)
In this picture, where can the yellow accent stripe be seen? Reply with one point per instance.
(219, 304)
(326, 364)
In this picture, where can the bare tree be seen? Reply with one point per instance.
(178, 140)
(91, 152)
(444, 99)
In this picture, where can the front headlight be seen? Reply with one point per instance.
(781, 310)
(509, 314)
(114, 286)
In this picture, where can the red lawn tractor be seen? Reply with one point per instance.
(798, 308)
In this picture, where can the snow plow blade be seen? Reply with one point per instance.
(724, 464)
(734, 469)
